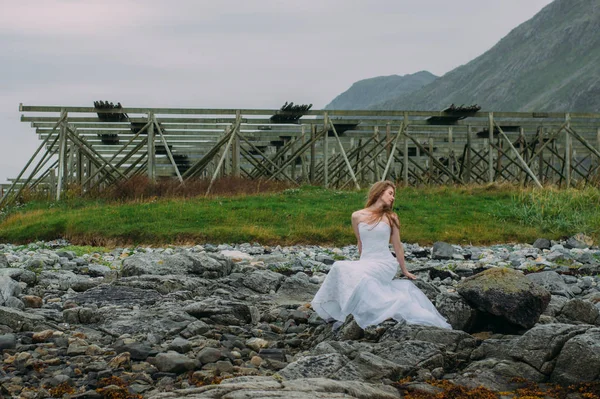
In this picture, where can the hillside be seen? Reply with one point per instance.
(549, 63)
(367, 92)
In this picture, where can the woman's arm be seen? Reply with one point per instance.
(399, 249)
(355, 220)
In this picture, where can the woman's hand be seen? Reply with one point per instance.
(410, 276)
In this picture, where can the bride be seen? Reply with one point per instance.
(365, 288)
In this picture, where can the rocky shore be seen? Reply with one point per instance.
(234, 321)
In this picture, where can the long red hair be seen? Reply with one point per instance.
(376, 190)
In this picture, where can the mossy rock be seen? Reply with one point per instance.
(506, 293)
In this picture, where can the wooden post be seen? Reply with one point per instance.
(388, 139)
(235, 150)
(450, 150)
(151, 150)
(374, 158)
(304, 168)
(568, 149)
(62, 150)
(326, 151)
(468, 155)
(491, 148)
(313, 152)
(541, 156)
(522, 152)
(79, 169)
(405, 155)
(52, 187)
(431, 168)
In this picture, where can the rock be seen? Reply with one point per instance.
(105, 294)
(551, 281)
(173, 362)
(577, 311)
(496, 375)
(542, 243)
(579, 359)
(209, 355)
(236, 256)
(201, 264)
(4, 261)
(297, 288)
(221, 311)
(14, 303)
(580, 241)
(8, 288)
(456, 310)
(137, 350)
(8, 341)
(263, 281)
(555, 306)
(32, 301)
(442, 250)
(506, 293)
(20, 321)
(180, 345)
(540, 346)
(325, 365)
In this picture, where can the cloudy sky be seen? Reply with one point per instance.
(226, 53)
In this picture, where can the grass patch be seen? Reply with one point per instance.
(477, 215)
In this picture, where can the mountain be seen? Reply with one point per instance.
(549, 63)
(365, 93)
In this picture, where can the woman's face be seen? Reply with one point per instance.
(388, 196)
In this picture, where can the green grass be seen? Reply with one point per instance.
(310, 215)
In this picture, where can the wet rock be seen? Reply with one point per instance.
(8, 341)
(221, 311)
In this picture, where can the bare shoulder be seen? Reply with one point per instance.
(359, 215)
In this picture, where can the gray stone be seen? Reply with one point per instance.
(263, 281)
(579, 241)
(4, 261)
(8, 341)
(540, 345)
(173, 362)
(180, 345)
(201, 264)
(14, 303)
(442, 250)
(209, 355)
(555, 305)
(20, 321)
(456, 310)
(298, 288)
(325, 365)
(542, 243)
(222, 311)
(105, 294)
(579, 359)
(577, 311)
(22, 275)
(137, 350)
(195, 328)
(8, 288)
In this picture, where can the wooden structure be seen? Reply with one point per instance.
(331, 148)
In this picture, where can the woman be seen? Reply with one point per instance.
(365, 288)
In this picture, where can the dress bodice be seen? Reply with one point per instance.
(375, 239)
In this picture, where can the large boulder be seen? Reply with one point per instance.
(540, 346)
(579, 359)
(577, 311)
(507, 294)
(442, 250)
(263, 281)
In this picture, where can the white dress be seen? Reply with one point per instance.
(365, 288)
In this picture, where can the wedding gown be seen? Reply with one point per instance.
(366, 289)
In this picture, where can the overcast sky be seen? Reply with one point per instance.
(225, 53)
